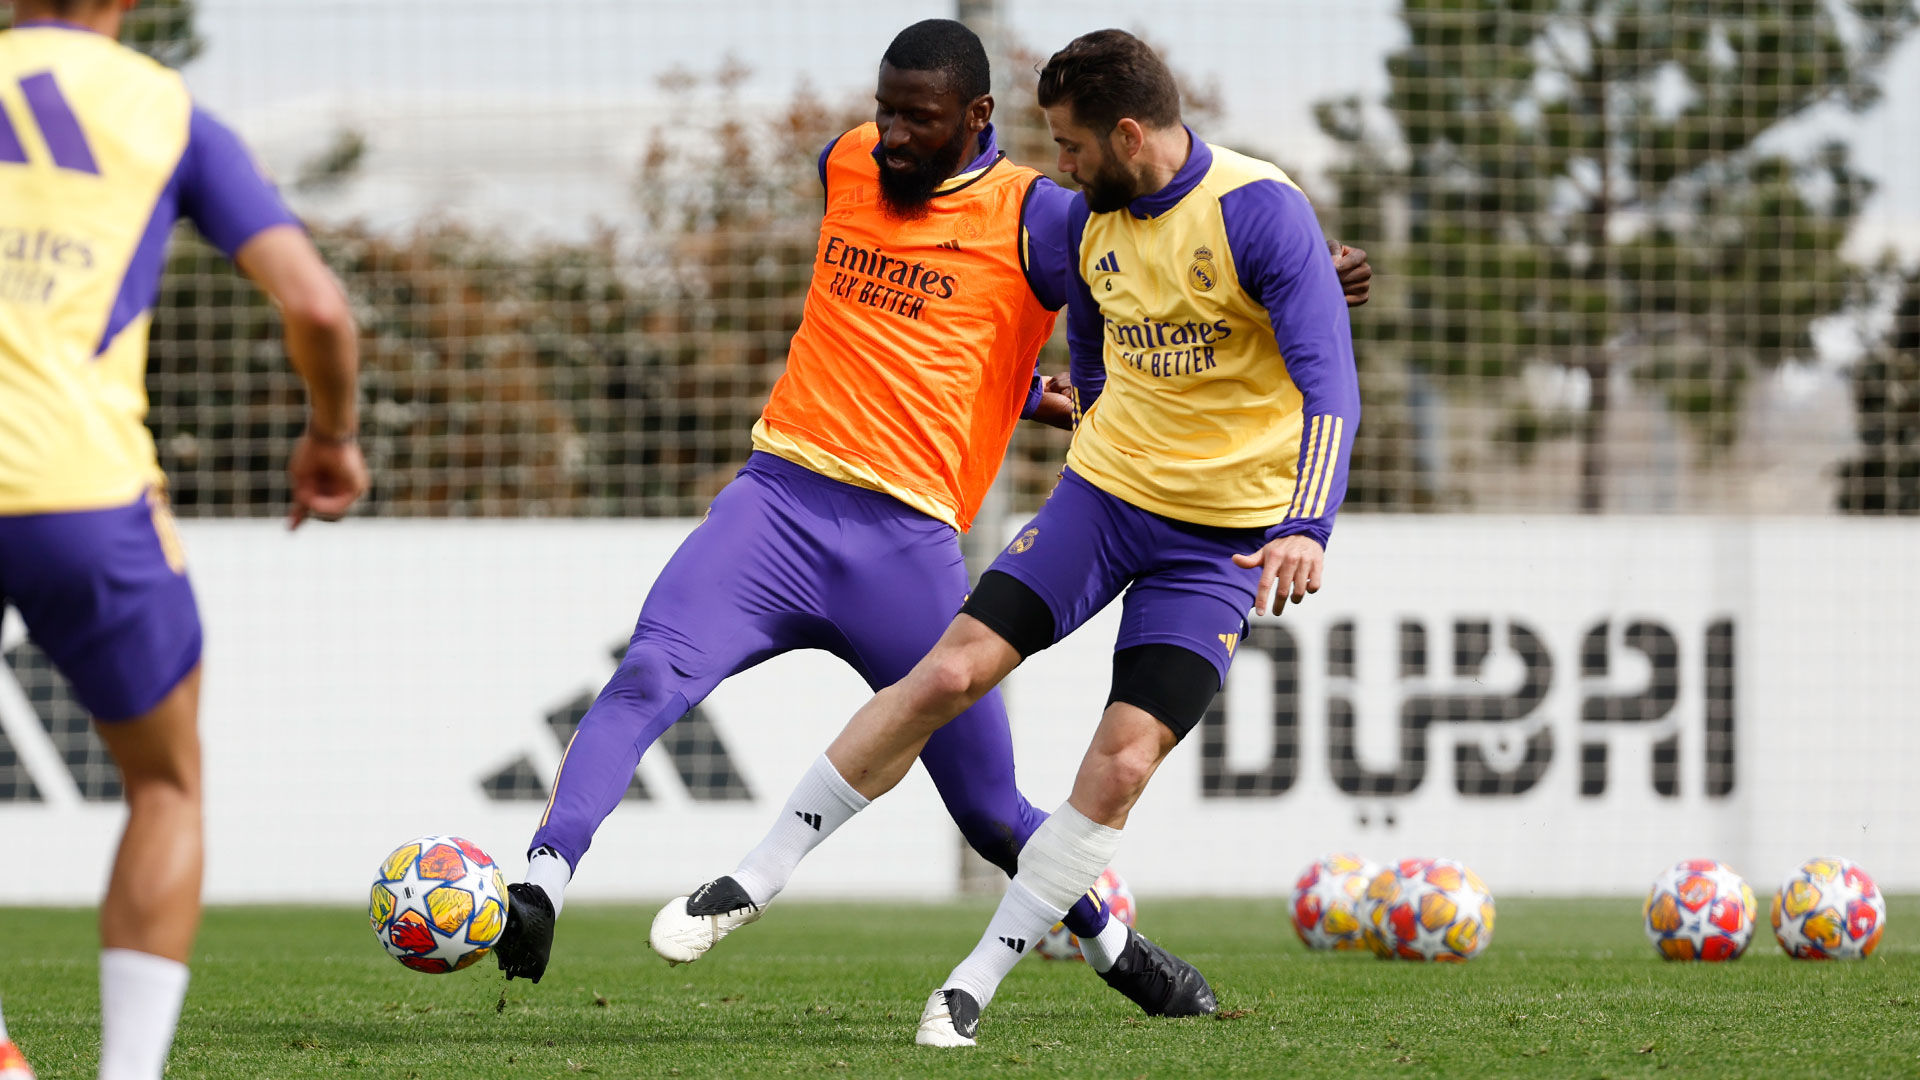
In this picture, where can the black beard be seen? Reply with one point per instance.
(905, 195)
(1105, 194)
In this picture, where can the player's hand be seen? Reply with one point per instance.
(327, 475)
(1289, 568)
(1356, 274)
(1056, 402)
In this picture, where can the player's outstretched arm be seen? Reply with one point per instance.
(327, 470)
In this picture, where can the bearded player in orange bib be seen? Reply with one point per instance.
(939, 270)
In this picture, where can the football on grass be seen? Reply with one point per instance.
(1327, 900)
(1828, 909)
(1428, 909)
(438, 904)
(1700, 910)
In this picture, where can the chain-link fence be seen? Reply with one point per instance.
(1632, 255)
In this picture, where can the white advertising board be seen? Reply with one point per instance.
(1568, 705)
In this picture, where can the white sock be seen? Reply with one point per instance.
(3, 1026)
(821, 802)
(551, 872)
(140, 997)
(1103, 949)
(1061, 860)
(1065, 856)
(1018, 924)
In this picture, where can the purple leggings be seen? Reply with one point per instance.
(789, 559)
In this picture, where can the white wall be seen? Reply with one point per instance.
(363, 680)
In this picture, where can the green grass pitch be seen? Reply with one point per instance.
(1569, 988)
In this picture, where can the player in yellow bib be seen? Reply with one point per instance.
(101, 151)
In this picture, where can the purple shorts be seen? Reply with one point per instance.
(1086, 547)
(104, 593)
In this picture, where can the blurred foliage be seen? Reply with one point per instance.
(1884, 478)
(163, 29)
(615, 376)
(1587, 185)
(334, 166)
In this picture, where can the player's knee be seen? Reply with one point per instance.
(645, 674)
(948, 681)
(1129, 768)
(173, 794)
(1114, 776)
(167, 779)
(993, 838)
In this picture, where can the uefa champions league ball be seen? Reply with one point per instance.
(438, 904)
(1327, 901)
(1828, 909)
(1428, 909)
(1700, 910)
(1060, 944)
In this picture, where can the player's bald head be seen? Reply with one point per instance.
(1108, 76)
(945, 47)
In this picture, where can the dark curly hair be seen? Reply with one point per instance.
(945, 46)
(1107, 76)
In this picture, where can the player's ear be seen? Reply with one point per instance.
(1129, 137)
(979, 113)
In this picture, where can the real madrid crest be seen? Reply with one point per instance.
(1025, 541)
(1202, 273)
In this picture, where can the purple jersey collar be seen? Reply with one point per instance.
(1199, 160)
(989, 151)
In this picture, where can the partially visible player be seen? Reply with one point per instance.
(1214, 369)
(101, 150)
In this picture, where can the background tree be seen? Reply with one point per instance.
(618, 375)
(163, 29)
(1884, 478)
(1589, 184)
